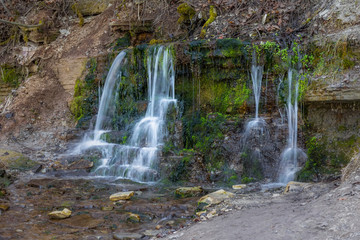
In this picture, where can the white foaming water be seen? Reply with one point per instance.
(255, 126)
(138, 160)
(107, 101)
(289, 157)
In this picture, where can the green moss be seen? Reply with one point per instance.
(10, 75)
(212, 16)
(122, 43)
(84, 103)
(186, 13)
(76, 107)
(315, 164)
(230, 48)
(181, 171)
(75, 8)
(246, 180)
(155, 41)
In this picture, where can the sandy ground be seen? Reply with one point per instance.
(315, 213)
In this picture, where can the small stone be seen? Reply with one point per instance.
(107, 208)
(158, 227)
(201, 213)
(170, 223)
(19, 230)
(121, 196)
(184, 192)
(65, 213)
(239, 186)
(4, 207)
(151, 233)
(127, 236)
(211, 214)
(132, 217)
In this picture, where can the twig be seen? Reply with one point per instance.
(20, 24)
(6, 9)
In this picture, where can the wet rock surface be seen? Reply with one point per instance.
(83, 209)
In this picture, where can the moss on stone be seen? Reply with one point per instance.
(10, 75)
(155, 41)
(186, 13)
(15, 160)
(212, 16)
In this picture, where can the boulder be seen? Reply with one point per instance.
(185, 192)
(215, 198)
(295, 187)
(121, 196)
(65, 213)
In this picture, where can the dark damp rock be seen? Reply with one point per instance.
(37, 168)
(126, 236)
(82, 221)
(5, 181)
(9, 115)
(81, 164)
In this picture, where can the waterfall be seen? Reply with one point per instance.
(289, 157)
(138, 160)
(107, 101)
(256, 78)
(255, 126)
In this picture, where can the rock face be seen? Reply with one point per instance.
(121, 196)
(215, 197)
(69, 70)
(65, 213)
(184, 192)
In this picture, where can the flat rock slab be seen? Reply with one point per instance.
(184, 192)
(121, 196)
(82, 221)
(215, 197)
(127, 236)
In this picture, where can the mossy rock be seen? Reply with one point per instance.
(185, 192)
(15, 160)
(91, 7)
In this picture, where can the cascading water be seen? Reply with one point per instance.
(255, 126)
(107, 101)
(138, 160)
(289, 157)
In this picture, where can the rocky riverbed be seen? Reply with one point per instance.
(253, 211)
